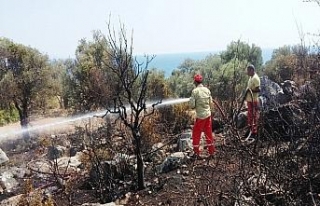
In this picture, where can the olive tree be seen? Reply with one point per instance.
(24, 75)
(243, 52)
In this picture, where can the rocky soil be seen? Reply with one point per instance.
(170, 173)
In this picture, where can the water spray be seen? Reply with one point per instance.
(63, 121)
(173, 101)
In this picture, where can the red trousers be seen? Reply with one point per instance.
(253, 116)
(203, 125)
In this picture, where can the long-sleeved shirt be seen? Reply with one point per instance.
(201, 101)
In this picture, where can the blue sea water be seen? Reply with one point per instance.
(169, 62)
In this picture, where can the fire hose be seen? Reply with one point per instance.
(219, 108)
(238, 111)
(241, 105)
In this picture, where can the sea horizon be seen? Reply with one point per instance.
(167, 62)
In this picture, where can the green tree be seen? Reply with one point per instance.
(243, 52)
(187, 66)
(57, 85)
(23, 77)
(90, 80)
(69, 99)
(181, 84)
(281, 65)
(158, 87)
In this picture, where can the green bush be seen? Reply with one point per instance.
(8, 116)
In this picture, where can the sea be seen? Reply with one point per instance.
(169, 62)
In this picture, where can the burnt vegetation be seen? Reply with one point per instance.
(136, 152)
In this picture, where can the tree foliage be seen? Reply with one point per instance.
(243, 52)
(224, 72)
(280, 66)
(25, 75)
(89, 80)
(157, 86)
(295, 62)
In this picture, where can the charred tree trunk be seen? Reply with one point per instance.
(140, 164)
(130, 79)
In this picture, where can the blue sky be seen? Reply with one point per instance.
(159, 26)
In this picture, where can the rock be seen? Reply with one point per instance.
(172, 162)
(72, 161)
(124, 200)
(98, 204)
(289, 87)
(55, 152)
(157, 157)
(157, 146)
(3, 157)
(61, 139)
(241, 120)
(185, 142)
(244, 201)
(274, 94)
(279, 122)
(8, 180)
(120, 157)
(73, 151)
(19, 172)
(185, 172)
(13, 201)
(46, 167)
(179, 155)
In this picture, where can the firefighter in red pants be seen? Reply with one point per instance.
(201, 101)
(252, 99)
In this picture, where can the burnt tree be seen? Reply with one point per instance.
(129, 79)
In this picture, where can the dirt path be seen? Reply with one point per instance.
(43, 126)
